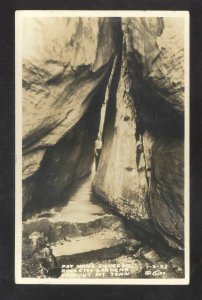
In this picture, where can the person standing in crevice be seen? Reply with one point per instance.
(98, 149)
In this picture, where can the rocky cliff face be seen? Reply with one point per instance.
(67, 69)
(141, 169)
(121, 177)
(158, 46)
(155, 52)
(167, 190)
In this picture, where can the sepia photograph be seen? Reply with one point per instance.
(102, 147)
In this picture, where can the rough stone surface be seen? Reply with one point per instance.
(152, 256)
(81, 239)
(64, 162)
(147, 113)
(48, 119)
(121, 177)
(78, 215)
(167, 190)
(60, 82)
(27, 191)
(158, 45)
(31, 162)
(177, 262)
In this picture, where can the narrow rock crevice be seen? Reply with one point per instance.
(132, 204)
(70, 159)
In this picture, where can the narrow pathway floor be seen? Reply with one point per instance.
(83, 239)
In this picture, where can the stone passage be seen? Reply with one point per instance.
(73, 70)
(81, 238)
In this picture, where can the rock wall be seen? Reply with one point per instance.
(121, 177)
(71, 158)
(167, 190)
(65, 65)
(158, 46)
(141, 169)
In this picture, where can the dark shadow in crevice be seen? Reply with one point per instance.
(154, 113)
(48, 190)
